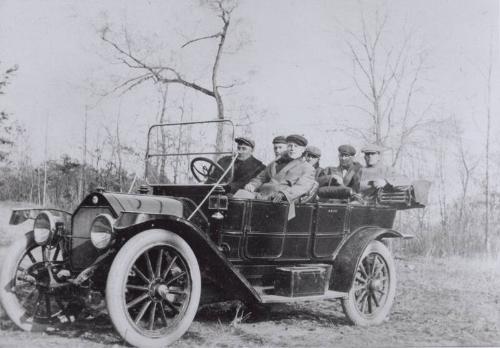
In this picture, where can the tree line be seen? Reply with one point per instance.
(387, 98)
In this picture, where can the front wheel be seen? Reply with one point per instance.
(153, 289)
(371, 296)
(30, 291)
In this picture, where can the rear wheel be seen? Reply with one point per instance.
(153, 289)
(29, 292)
(371, 296)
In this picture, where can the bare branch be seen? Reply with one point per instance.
(202, 38)
(189, 84)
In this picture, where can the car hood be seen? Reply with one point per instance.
(121, 202)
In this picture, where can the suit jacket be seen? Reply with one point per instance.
(351, 179)
(243, 172)
(295, 179)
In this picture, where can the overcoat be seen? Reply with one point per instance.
(243, 171)
(294, 179)
(377, 172)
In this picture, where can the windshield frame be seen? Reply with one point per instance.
(150, 155)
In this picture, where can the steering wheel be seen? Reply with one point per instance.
(201, 167)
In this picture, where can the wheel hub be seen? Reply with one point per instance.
(163, 291)
(375, 285)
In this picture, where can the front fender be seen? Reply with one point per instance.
(211, 260)
(18, 216)
(349, 255)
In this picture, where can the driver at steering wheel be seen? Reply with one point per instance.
(245, 167)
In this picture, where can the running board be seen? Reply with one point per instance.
(266, 297)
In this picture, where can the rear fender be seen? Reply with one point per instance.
(348, 257)
(211, 261)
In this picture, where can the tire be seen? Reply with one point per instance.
(371, 296)
(26, 303)
(153, 289)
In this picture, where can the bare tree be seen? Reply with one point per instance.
(5, 129)
(465, 171)
(487, 242)
(169, 74)
(387, 77)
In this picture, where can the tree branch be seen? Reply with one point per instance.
(201, 38)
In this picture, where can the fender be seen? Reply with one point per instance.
(347, 258)
(18, 216)
(210, 259)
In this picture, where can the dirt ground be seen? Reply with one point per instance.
(439, 302)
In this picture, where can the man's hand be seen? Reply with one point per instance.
(277, 197)
(336, 180)
(250, 188)
(379, 183)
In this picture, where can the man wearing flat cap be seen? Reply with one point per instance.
(287, 178)
(312, 155)
(245, 167)
(375, 174)
(341, 181)
(279, 146)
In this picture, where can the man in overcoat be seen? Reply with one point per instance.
(341, 181)
(246, 165)
(287, 178)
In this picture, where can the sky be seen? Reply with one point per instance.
(293, 70)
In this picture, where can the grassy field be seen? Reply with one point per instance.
(439, 302)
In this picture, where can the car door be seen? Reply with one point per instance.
(330, 229)
(298, 234)
(264, 233)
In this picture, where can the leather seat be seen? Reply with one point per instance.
(310, 195)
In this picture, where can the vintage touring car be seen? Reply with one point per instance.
(156, 255)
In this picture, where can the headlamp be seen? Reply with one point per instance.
(101, 231)
(44, 227)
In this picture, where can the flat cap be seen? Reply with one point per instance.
(245, 141)
(280, 139)
(296, 139)
(313, 150)
(347, 149)
(372, 148)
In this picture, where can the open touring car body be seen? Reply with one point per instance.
(175, 245)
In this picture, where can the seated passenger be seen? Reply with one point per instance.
(342, 181)
(286, 178)
(312, 155)
(376, 175)
(279, 146)
(245, 167)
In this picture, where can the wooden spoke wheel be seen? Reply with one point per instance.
(30, 291)
(153, 288)
(372, 293)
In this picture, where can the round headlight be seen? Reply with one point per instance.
(101, 231)
(44, 227)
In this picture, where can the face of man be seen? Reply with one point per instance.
(295, 151)
(372, 158)
(312, 159)
(345, 160)
(244, 152)
(279, 149)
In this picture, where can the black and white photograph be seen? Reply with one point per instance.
(249, 173)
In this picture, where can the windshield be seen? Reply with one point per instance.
(189, 153)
